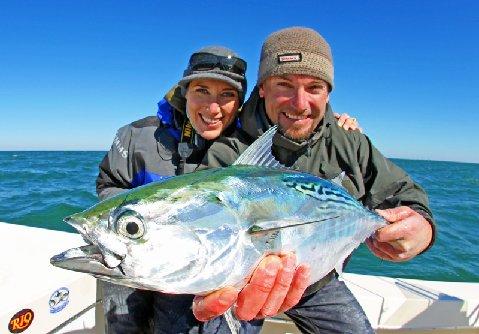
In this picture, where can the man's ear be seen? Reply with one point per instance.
(261, 91)
(327, 98)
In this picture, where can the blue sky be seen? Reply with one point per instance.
(72, 72)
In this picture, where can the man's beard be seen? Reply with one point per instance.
(296, 135)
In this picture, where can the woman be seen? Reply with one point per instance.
(201, 108)
(170, 143)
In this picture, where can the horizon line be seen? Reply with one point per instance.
(97, 150)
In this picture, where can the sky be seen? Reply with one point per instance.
(73, 72)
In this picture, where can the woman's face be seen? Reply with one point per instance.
(211, 106)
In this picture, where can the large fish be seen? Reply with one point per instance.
(202, 231)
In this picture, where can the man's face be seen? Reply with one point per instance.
(296, 103)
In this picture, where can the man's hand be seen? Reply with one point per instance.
(347, 122)
(275, 286)
(408, 235)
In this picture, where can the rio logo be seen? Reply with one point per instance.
(21, 321)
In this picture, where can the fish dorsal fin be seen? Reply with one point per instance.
(338, 180)
(259, 152)
(273, 225)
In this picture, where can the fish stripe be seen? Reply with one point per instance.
(318, 191)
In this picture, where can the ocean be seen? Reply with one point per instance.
(41, 188)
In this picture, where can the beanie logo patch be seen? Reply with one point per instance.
(289, 58)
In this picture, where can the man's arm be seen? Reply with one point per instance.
(115, 171)
(401, 202)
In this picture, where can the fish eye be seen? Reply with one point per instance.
(130, 225)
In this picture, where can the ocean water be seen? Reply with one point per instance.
(41, 188)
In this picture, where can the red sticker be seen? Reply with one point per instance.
(20, 321)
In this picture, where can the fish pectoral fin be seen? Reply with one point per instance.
(272, 225)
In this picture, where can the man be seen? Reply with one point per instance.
(294, 81)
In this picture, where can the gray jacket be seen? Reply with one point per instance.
(147, 150)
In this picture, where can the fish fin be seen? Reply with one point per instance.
(338, 180)
(233, 323)
(273, 225)
(259, 152)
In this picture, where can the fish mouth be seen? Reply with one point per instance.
(93, 258)
(87, 259)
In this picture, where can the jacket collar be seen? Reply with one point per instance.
(171, 108)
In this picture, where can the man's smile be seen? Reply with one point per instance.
(294, 116)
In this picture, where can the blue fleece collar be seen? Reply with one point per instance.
(165, 115)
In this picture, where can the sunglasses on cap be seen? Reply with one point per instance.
(203, 61)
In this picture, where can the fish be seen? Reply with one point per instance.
(200, 232)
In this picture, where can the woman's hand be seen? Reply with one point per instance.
(347, 122)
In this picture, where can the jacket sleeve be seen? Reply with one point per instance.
(115, 170)
(388, 186)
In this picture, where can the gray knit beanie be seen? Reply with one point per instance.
(234, 76)
(296, 50)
